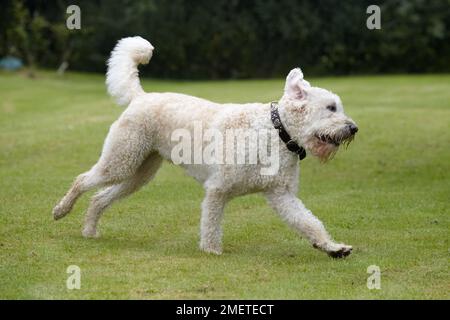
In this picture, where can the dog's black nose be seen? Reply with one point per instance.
(353, 128)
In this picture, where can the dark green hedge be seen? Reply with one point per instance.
(238, 38)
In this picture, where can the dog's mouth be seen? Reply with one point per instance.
(327, 139)
(335, 140)
(324, 145)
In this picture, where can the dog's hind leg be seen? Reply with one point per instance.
(82, 184)
(292, 210)
(124, 151)
(104, 198)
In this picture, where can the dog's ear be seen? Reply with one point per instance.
(296, 86)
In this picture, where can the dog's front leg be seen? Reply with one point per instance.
(292, 210)
(211, 222)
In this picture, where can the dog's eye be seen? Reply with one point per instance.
(332, 108)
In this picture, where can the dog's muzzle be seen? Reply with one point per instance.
(345, 135)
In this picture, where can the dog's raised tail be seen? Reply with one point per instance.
(122, 78)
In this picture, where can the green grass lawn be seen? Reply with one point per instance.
(387, 195)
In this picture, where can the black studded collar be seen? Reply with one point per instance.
(284, 136)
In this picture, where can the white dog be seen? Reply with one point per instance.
(307, 118)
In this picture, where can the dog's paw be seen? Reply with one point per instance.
(341, 251)
(60, 211)
(211, 249)
(335, 250)
(90, 233)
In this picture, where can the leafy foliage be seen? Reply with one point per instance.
(237, 38)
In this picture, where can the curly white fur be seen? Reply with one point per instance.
(140, 139)
(122, 78)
